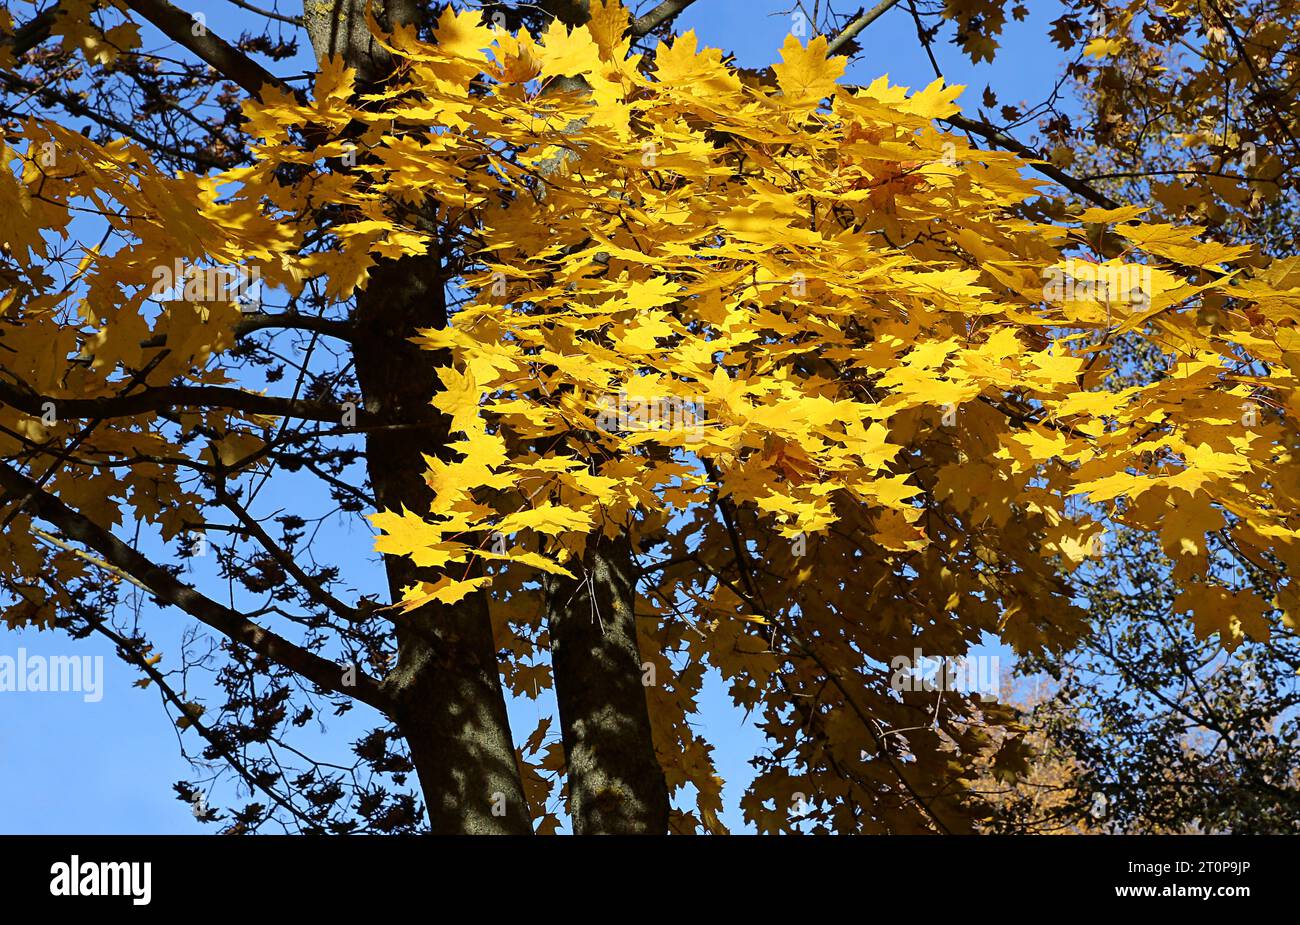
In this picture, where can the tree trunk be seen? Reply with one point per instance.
(616, 784)
(452, 710)
(447, 686)
(337, 28)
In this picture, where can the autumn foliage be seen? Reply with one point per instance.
(843, 384)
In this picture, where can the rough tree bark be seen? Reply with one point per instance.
(449, 703)
(450, 707)
(616, 784)
(337, 28)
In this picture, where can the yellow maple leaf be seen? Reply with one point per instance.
(459, 399)
(461, 33)
(805, 75)
(445, 590)
(549, 519)
(568, 53)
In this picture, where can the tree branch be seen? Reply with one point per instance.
(1041, 164)
(82, 554)
(269, 14)
(253, 322)
(168, 398)
(324, 673)
(314, 589)
(131, 654)
(852, 30)
(644, 25)
(228, 61)
(35, 31)
(48, 96)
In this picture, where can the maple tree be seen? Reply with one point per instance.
(653, 366)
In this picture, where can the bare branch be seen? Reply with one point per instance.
(168, 398)
(317, 592)
(92, 559)
(228, 61)
(324, 673)
(269, 14)
(644, 25)
(48, 96)
(253, 322)
(853, 29)
(131, 653)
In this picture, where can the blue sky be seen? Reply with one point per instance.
(67, 766)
